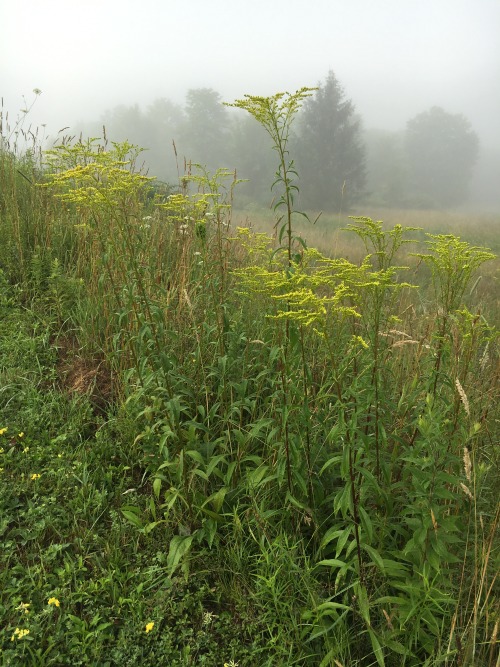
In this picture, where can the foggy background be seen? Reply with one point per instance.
(156, 71)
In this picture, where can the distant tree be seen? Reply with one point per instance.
(165, 119)
(387, 170)
(442, 150)
(205, 131)
(127, 123)
(330, 152)
(253, 158)
(153, 129)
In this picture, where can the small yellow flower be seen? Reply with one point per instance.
(19, 634)
(360, 341)
(24, 606)
(149, 626)
(35, 475)
(20, 435)
(54, 601)
(26, 450)
(59, 456)
(3, 430)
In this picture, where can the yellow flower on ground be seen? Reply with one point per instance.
(3, 430)
(19, 634)
(149, 626)
(35, 476)
(20, 435)
(54, 601)
(24, 606)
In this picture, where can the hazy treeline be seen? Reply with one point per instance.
(429, 164)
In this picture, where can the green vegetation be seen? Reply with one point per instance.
(223, 448)
(342, 162)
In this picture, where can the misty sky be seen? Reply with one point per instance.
(395, 58)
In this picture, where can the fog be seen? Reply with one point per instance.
(394, 59)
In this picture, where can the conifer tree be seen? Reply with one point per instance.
(329, 151)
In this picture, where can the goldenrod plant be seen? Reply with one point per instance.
(276, 114)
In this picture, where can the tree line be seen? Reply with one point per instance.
(428, 164)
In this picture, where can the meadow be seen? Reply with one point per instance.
(242, 438)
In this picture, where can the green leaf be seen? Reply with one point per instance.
(366, 523)
(333, 562)
(377, 649)
(333, 461)
(132, 514)
(179, 547)
(330, 535)
(214, 461)
(210, 530)
(217, 498)
(157, 487)
(196, 456)
(375, 557)
(362, 600)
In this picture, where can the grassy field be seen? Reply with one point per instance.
(217, 449)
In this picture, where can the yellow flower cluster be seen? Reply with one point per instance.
(149, 626)
(94, 178)
(19, 634)
(54, 601)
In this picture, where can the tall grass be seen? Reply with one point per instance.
(322, 429)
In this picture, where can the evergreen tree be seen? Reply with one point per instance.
(330, 153)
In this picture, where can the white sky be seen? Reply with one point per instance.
(395, 58)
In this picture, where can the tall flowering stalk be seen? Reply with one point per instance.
(276, 114)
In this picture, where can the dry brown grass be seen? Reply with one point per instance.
(83, 376)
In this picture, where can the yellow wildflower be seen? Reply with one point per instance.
(19, 634)
(35, 476)
(54, 601)
(3, 430)
(149, 626)
(26, 450)
(24, 606)
(20, 435)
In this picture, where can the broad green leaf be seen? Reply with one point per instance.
(132, 514)
(375, 557)
(179, 547)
